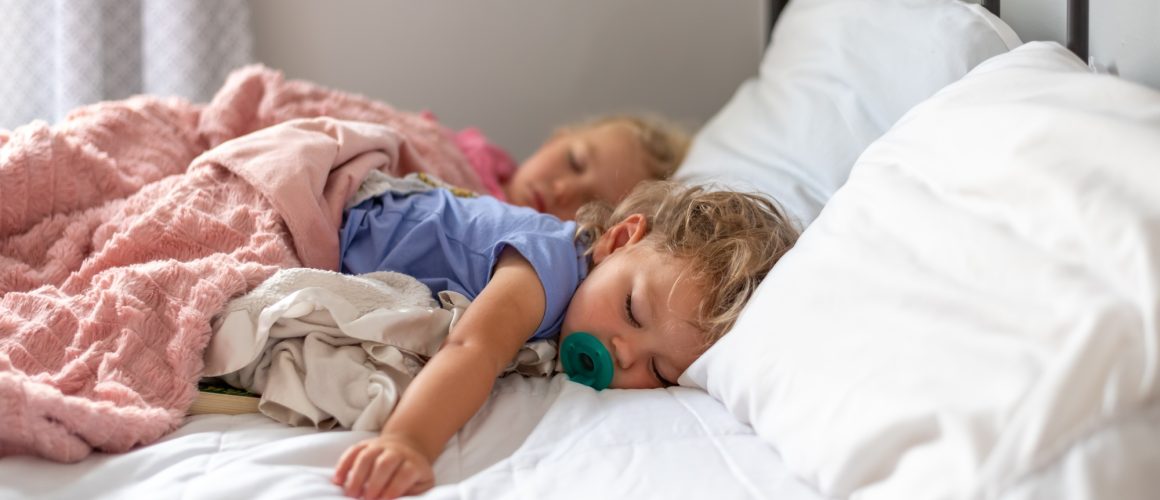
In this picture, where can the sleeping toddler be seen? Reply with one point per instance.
(596, 160)
(634, 294)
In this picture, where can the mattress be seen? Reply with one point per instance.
(535, 438)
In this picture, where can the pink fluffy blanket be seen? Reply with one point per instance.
(127, 227)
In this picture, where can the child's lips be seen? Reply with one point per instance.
(538, 201)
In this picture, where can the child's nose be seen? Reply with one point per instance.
(624, 352)
(572, 193)
(564, 192)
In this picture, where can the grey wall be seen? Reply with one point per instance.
(1124, 34)
(519, 68)
(1037, 19)
(1125, 37)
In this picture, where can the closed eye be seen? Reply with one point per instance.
(628, 311)
(652, 364)
(574, 162)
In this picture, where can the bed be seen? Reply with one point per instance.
(971, 311)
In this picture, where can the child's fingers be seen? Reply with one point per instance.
(385, 468)
(405, 478)
(363, 466)
(345, 462)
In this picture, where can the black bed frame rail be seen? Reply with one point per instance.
(992, 5)
(1077, 22)
(1077, 27)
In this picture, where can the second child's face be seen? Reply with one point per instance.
(578, 166)
(634, 302)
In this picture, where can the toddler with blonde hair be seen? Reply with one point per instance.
(652, 282)
(599, 159)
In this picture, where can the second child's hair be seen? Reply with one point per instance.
(730, 239)
(664, 142)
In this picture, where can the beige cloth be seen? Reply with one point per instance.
(327, 349)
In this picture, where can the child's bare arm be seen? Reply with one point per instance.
(450, 389)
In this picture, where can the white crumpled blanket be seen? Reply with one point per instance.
(327, 349)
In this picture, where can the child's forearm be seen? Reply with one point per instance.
(445, 395)
(458, 379)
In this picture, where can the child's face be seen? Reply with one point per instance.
(632, 301)
(578, 166)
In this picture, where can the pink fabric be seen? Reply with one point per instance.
(291, 163)
(117, 247)
(256, 97)
(103, 333)
(494, 166)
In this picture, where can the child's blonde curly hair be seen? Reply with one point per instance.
(730, 239)
(664, 142)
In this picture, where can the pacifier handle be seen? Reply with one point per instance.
(586, 360)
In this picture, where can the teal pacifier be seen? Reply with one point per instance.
(586, 361)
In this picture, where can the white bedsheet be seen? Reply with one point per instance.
(536, 438)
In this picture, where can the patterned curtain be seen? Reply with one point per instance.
(56, 55)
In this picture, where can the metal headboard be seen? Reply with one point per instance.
(1077, 22)
(992, 5)
(775, 7)
(1077, 27)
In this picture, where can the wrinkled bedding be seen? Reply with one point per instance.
(120, 239)
(534, 438)
(303, 334)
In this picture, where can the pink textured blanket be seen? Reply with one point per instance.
(117, 247)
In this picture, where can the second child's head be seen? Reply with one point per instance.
(673, 266)
(598, 160)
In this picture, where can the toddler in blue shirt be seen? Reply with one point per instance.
(655, 280)
(453, 243)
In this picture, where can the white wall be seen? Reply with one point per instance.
(1036, 19)
(1124, 35)
(519, 68)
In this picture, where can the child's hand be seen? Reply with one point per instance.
(386, 466)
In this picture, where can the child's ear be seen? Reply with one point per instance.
(625, 233)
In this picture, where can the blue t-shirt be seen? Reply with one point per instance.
(453, 243)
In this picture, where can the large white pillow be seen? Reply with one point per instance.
(976, 312)
(836, 75)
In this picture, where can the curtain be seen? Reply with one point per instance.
(56, 55)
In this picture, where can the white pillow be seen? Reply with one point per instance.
(976, 312)
(836, 75)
